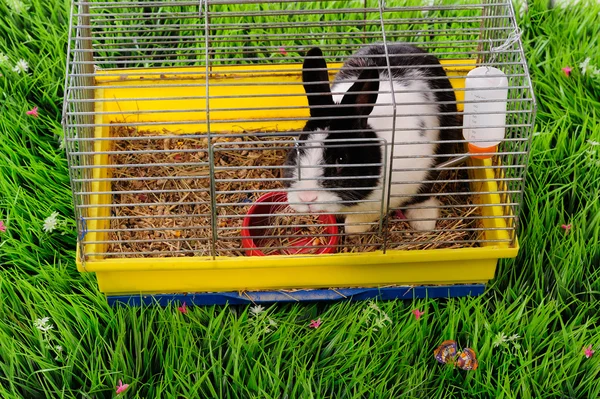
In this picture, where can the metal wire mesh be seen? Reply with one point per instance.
(179, 115)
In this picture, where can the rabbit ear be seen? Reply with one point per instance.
(316, 83)
(363, 94)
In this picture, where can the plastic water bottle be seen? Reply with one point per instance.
(482, 85)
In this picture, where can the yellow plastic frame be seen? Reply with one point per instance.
(205, 274)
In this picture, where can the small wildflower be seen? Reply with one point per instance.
(3, 58)
(58, 349)
(282, 51)
(502, 339)
(256, 310)
(567, 71)
(566, 227)
(183, 308)
(587, 68)
(383, 319)
(417, 313)
(21, 67)
(43, 324)
(315, 323)
(593, 143)
(33, 112)
(523, 8)
(17, 6)
(2, 227)
(51, 222)
(589, 351)
(585, 65)
(376, 317)
(499, 339)
(272, 324)
(121, 387)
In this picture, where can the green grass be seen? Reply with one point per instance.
(549, 296)
(232, 29)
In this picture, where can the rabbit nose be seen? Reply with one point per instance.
(309, 196)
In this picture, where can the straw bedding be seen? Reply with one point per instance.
(164, 210)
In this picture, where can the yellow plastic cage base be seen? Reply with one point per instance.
(207, 274)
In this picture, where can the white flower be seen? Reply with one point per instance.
(593, 143)
(270, 323)
(58, 349)
(21, 66)
(256, 310)
(17, 6)
(379, 322)
(43, 324)
(502, 339)
(586, 67)
(499, 339)
(523, 8)
(51, 222)
(427, 3)
(3, 58)
(376, 317)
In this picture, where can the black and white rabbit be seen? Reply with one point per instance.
(424, 101)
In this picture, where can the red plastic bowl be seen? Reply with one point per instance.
(271, 203)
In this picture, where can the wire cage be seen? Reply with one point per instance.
(246, 145)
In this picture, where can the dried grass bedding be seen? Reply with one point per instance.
(162, 205)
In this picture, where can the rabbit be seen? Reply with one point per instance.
(349, 113)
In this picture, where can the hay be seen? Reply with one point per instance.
(456, 227)
(171, 216)
(147, 226)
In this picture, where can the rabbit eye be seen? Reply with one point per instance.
(339, 161)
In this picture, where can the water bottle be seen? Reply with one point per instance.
(484, 121)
